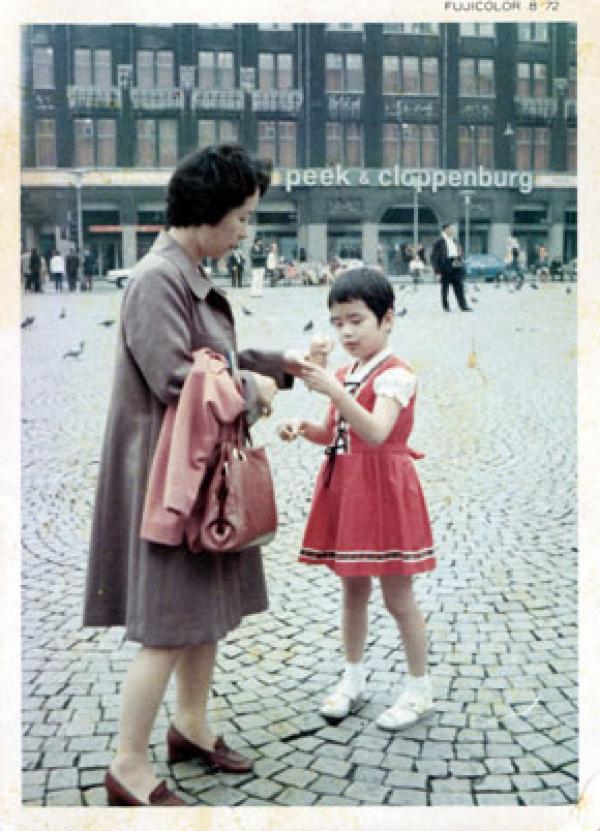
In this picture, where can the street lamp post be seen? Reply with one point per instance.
(467, 194)
(78, 173)
(415, 218)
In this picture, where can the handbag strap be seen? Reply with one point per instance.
(241, 422)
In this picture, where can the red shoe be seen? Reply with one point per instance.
(118, 795)
(220, 758)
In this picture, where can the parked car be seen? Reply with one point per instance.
(118, 276)
(484, 265)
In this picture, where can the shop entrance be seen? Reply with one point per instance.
(397, 233)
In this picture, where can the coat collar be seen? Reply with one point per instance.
(199, 282)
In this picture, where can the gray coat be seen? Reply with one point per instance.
(164, 596)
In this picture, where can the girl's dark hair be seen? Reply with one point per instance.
(366, 284)
(209, 183)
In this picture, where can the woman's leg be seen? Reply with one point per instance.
(355, 612)
(402, 605)
(194, 673)
(143, 691)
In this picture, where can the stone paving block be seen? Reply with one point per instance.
(470, 751)
(333, 800)
(556, 755)
(469, 769)
(449, 799)
(94, 797)
(296, 777)
(262, 788)
(98, 759)
(366, 757)
(571, 791)
(66, 798)
(328, 785)
(433, 768)
(364, 773)
(503, 751)
(222, 795)
(332, 767)
(391, 761)
(406, 779)
(333, 751)
(499, 799)
(404, 747)
(550, 796)
(366, 793)
(398, 796)
(296, 796)
(275, 750)
(451, 785)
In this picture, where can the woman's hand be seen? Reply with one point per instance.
(267, 390)
(318, 379)
(290, 430)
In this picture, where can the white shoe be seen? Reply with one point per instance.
(410, 707)
(342, 701)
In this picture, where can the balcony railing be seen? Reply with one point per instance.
(93, 98)
(570, 108)
(536, 107)
(398, 107)
(217, 99)
(277, 100)
(169, 98)
(344, 105)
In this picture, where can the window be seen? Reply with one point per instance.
(572, 81)
(343, 72)
(45, 143)
(215, 25)
(476, 76)
(572, 149)
(275, 27)
(533, 148)
(344, 27)
(213, 131)
(95, 142)
(411, 28)
(532, 80)
(477, 30)
(43, 67)
(155, 69)
(410, 74)
(344, 143)
(411, 145)
(532, 32)
(475, 146)
(275, 71)
(92, 67)
(277, 141)
(156, 143)
(216, 70)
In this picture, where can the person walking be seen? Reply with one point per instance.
(26, 270)
(88, 270)
(272, 265)
(176, 604)
(57, 270)
(35, 266)
(72, 268)
(447, 262)
(258, 259)
(235, 264)
(513, 260)
(359, 525)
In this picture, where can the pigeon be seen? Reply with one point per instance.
(106, 323)
(246, 311)
(308, 326)
(402, 312)
(534, 285)
(401, 288)
(474, 300)
(568, 289)
(476, 287)
(27, 322)
(63, 314)
(75, 353)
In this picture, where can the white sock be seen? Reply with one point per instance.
(420, 684)
(354, 676)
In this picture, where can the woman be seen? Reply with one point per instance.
(176, 604)
(57, 270)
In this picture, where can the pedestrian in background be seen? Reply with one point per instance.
(272, 264)
(57, 270)
(88, 270)
(175, 603)
(447, 262)
(72, 268)
(35, 265)
(26, 270)
(359, 525)
(235, 264)
(512, 259)
(258, 260)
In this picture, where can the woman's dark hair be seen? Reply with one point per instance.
(366, 284)
(209, 183)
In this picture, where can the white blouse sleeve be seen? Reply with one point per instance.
(398, 384)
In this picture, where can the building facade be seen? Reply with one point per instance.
(377, 132)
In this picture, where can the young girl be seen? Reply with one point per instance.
(368, 516)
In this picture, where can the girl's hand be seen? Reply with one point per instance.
(290, 430)
(318, 379)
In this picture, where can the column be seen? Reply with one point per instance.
(129, 246)
(369, 242)
(556, 235)
(499, 232)
(316, 241)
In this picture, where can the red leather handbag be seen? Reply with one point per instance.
(236, 503)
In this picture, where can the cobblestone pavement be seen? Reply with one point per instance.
(499, 475)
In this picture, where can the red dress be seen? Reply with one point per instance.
(368, 514)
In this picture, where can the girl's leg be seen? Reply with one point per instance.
(401, 604)
(194, 673)
(143, 691)
(355, 613)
